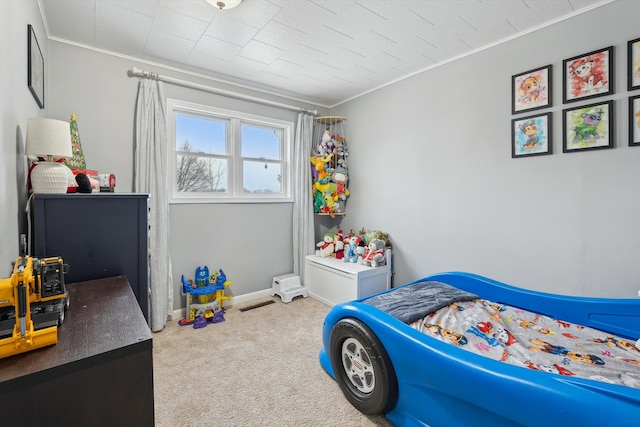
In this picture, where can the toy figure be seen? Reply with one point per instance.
(318, 201)
(202, 276)
(327, 144)
(339, 178)
(338, 244)
(350, 251)
(374, 255)
(341, 153)
(323, 178)
(360, 250)
(326, 247)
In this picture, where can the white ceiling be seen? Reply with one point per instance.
(321, 51)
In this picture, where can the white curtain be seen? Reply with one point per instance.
(303, 234)
(150, 176)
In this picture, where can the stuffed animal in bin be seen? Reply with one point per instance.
(326, 247)
(349, 249)
(377, 234)
(361, 248)
(355, 250)
(338, 243)
(374, 255)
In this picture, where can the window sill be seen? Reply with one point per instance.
(230, 200)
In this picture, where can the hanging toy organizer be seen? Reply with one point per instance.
(329, 166)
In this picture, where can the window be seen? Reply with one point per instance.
(221, 155)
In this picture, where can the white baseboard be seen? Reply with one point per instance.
(180, 313)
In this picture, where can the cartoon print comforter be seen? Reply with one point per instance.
(534, 341)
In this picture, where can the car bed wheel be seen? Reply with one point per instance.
(362, 368)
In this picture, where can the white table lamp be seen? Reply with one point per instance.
(49, 138)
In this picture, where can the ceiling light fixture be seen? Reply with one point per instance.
(227, 4)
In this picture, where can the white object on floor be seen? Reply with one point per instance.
(288, 286)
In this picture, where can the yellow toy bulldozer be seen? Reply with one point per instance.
(32, 305)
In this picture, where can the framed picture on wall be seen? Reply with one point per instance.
(588, 75)
(633, 64)
(531, 90)
(35, 67)
(531, 136)
(588, 127)
(634, 120)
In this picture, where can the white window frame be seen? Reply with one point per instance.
(235, 119)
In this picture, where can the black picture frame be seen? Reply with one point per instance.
(634, 120)
(528, 97)
(633, 64)
(589, 75)
(531, 135)
(580, 134)
(35, 67)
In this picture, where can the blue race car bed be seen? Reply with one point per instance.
(457, 349)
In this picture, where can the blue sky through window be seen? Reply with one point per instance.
(206, 135)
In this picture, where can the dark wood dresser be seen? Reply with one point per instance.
(100, 373)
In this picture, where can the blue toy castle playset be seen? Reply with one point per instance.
(205, 297)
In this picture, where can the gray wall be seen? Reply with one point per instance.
(431, 164)
(251, 242)
(16, 105)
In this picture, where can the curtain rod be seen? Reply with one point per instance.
(136, 72)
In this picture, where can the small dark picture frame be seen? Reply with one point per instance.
(634, 120)
(35, 67)
(531, 136)
(531, 90)
(588, 75)
(633, 64)
(588, 127)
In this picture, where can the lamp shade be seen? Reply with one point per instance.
(48, 138)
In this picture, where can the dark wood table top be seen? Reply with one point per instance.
(104, 321)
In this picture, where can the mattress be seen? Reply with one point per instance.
(533, 341)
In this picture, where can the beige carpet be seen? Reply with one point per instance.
(257, 368)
